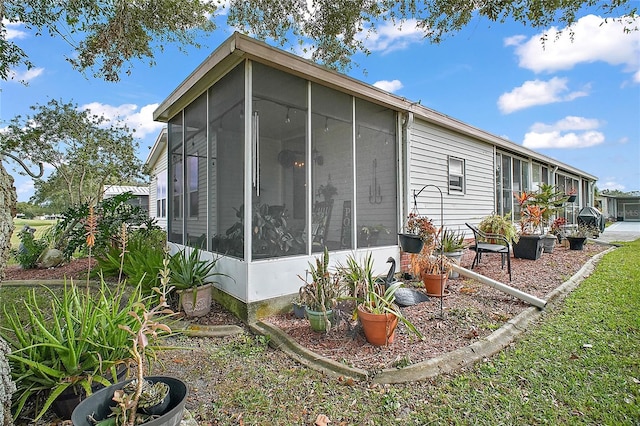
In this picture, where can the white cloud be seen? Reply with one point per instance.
(593, 40)
(514, 40)
(25, 189)
(538, 92)
(389, 36)
(304, 50)
(570, 132)
(13, 31)
(610, 183)
(535, 140)
(141, 120)
(25, 76)
(389, 86)
(567, 124)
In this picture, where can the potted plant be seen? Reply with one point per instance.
(501, 225)
(420, 231)
(376, 307)
(547, 199)
(557, 228)
(529, 244)
(369, 234)
(298, 307)
(320, 294)
(571, 194)
(191, 277)
(577, 236)
(142, 400)
(433, 267)
(328, 191)
(451, 246)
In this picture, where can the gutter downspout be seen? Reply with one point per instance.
(532, 300)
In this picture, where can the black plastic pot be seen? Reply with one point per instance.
(98, 404)
(528, 247)
(410, 243)
(69, 399)
(576, 243)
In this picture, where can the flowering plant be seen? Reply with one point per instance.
(423, 227)
(556, 226)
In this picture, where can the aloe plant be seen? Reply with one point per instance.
(76, 341)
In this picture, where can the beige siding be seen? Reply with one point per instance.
(429, 149)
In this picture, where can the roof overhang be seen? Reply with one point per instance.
(239, 47)
(157, 148)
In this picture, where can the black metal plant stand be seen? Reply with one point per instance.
(415, 206)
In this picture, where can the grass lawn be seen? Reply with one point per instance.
(41, 226)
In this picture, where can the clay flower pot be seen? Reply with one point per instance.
(379, 329)
(435, 284)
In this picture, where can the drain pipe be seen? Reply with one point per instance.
(532, 300)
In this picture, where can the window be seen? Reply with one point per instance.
(456, 175)
(161, 194)
(192, 167)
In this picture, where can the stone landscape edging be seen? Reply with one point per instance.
(444, 363)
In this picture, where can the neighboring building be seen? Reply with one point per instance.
(315, 157)
(157, 165)
(141, 194)
(619, 207)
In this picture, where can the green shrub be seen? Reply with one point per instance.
(30, 249)
(141, 262)
(113, 212)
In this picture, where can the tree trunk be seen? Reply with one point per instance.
(8, 198)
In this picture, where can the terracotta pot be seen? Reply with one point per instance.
(196, 302)
(379, 329)
(435, 284)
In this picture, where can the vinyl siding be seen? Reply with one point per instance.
(159, 166)
(429, 149)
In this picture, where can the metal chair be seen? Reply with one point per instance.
(482, 245)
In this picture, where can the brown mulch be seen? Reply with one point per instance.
(471, 311)
(76, 269)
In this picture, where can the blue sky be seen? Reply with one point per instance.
(577, 101)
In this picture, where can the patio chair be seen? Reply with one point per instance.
(484, 243)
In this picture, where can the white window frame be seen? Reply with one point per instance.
(161, 194)
(455, 189)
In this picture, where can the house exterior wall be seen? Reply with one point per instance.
(158, 167)
(430, 147)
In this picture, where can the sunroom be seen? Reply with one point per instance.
(312, 166)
